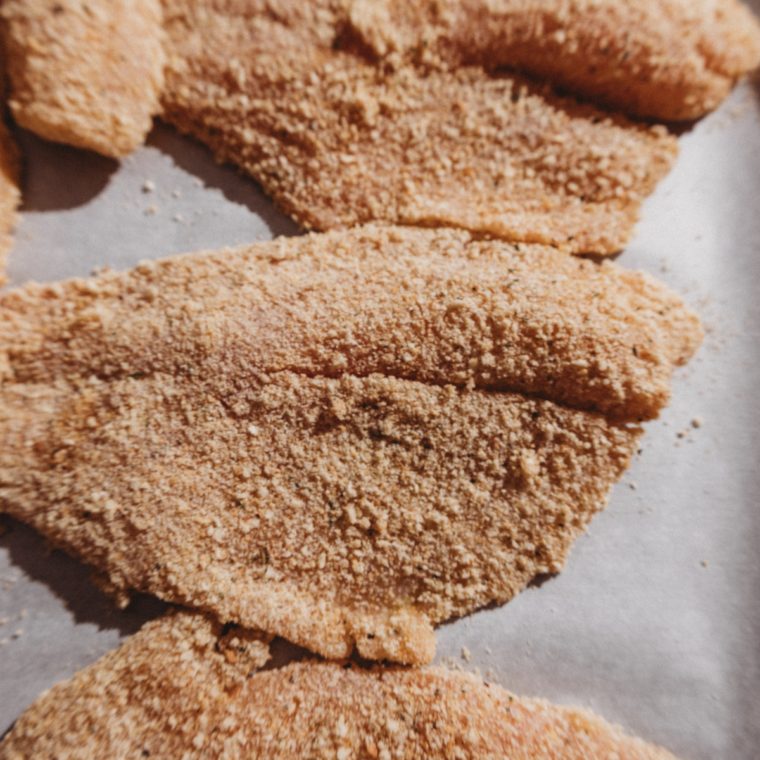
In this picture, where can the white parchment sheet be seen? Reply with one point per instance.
(655, 622)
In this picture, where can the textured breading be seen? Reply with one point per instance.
(88, 74)
(10, 177)
(215, 429)
(338, 140)
(435, 306)
(335, 513)
(660, 59)
(183, 688)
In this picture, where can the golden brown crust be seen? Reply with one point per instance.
(179, 688)
(10, 175)
(212, 428)
(338, 140)
(10, 194)
(436, 306)
(358, 511)
(661, 59)
(87, 74)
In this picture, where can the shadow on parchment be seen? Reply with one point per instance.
(196, 159)
(58, 177)
(70, 581)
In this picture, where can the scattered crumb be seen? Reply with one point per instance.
(17, 633)
(697, 422)
(466, 654)
(705, 562)
(488, 650)
(490, 674)
(3, 642)
(151, 210)
(178, 218)
(682, 433)
(149, 186)
(177, 193)
(4, 621)
(198, 182)
(632, 486)
(22, 614)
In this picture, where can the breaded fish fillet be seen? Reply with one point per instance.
(342, 439)
(88, 74)
(436, 306)
(10, 193)
(659, 59)
(338, 140)
(185, 687)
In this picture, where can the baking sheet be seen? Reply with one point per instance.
(655, 622)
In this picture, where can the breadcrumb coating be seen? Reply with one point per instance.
(283, 91)
(88, 74)
(436, 306)
(184, 687)
(317, 436)
(10, 178)
(661, 59)
(358, 511)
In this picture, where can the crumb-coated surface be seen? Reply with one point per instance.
(88, 74)
(435, 306)
(659, 59)
(10, 194)
(288, 93)
(358, 511)
(10, 176)
(183, 687)
(316, 436)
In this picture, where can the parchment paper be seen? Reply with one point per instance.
(655, 622)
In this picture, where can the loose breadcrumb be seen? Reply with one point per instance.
(320, 436)
(88, 74)
(339, 140)
(183, 687)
